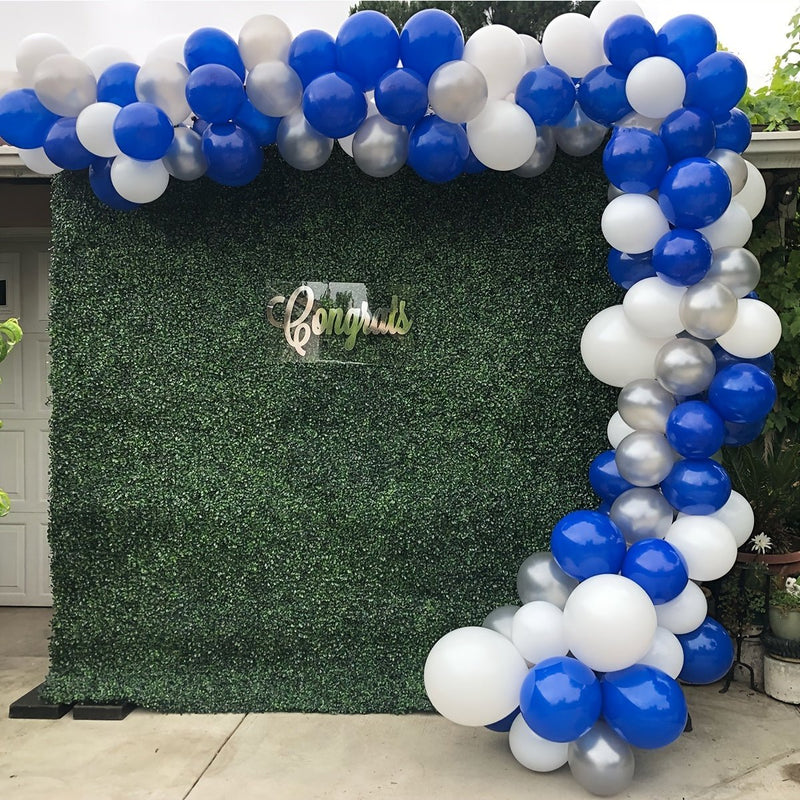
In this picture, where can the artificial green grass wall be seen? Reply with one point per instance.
(235, 529)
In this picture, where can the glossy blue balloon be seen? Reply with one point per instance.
(734, 131)
(602, 97)
(233, 155)
(200, 126)
(437, 150)
(741, 433)
(214, 92)
(24, 121)
(635, 160)
(717, 85)
(726, 359)
(626, 269)
(644, 706)
(697, 486)
(402, 96)
(687, 133)
(707, 653)
(682, 257)
(628, 40)
(686, 40)
(212, 46)
(560, 699)
(658, 568)
(742, 393)
(694, 193)
(262, 128)
(334, 105)
(695, 430)
(504, 725)
(605, 478)
(143, 131)
(63, 147)
(430, 38)
(366, 46)
(547, 94)
(586, 543)
(311, 54)
(100, 181)
(117, 84)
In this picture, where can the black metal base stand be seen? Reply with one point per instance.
(104, 711)
(31, 706)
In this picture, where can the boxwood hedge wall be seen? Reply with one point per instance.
(236, 529)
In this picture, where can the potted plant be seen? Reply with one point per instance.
(784, 608)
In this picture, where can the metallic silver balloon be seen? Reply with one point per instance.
(457, 91)
(641, 514)
(735, 267)
(708, 309)
(264, 38)
(601, 761)
(645, 404)
(733, 164)
(274, 88)
(540, 578)
(543, 153)
(300, 145)
(162, 82)
(380, 147)
(644, 458)
(578, 135)
(500, 620)
(637, 120)
(685, 367)
(64, 85)
(185, 159)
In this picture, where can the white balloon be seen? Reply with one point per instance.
(537, 631)
(732, 229)
(755, 331)
(264, 38)
(37, 161)
(100, 58)
(473, 676)
(139, 181)
(609, 622)
(706, 544)
(751, 198)
(633, 223)
(737, 514)
(655, 87)
(572, 43)
(502, 136)
(665, 653)
(170, 49)
(686, 612)
(499, 54)
(653, 306)
(95, 129)
(533, 751)
(534, 55)
(34, 49)
(606, 11)
(617, 430)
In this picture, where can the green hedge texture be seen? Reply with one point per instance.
(235, 529)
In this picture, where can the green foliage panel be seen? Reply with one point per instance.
(234, 529)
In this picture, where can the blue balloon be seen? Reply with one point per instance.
(741, 433)
(687, 133)
(200, 125)
(437, 150)
(100, 181)
(63, 147)
(262, 128)
(644, 706)
(635, 160)
(504, 725)
(658, 568)
(694, 193)
(695, 430)
(626, 269)
(547, 94)
(233, 155)
(430, 38)
(734, 131)
(742, 393)
(602, 97)
(686, 40)
(214, 92)
(586, 543)
(605, 478)
(366, 46)
(717, 85)
(334, 105)
(697, 486)
(473, 166)
(24, 121)
(628, 40)
(311, 54)
(117, 84)
(725, 359)
(682, 257)
(143, 131)
(707, 653)
(560, 699)
(604, 508)
(402, 96)
(212, 46)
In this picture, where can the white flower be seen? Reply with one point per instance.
(760, 543)
(792, 587)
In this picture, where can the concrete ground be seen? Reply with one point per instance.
(744, 745)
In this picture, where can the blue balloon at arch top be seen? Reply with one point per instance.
(214, 92)
(657, 567)
(311, 54)
(707, 653)
(695, 430)
(100, 181)
(430, 38)
(717, 84)
(334, 105)
(628, 40)
(682, 257)
(687, 133)
(63, 147)
(733, 131)
(366, 46)
(546, 93)
(602, 97)
(143, 131)
(694, 193)
(401, 95)
(697, 486)
(605, 478)
(437, 150)
(742, 393)
(262, 128)
(587, 543)
(635, 160)
(24, 121)
(212, 46)
(686, 40)
(626, 269)
(117, 84)
(234, 158)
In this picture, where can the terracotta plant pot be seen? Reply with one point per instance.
(777, 563)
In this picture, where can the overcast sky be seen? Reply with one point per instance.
(755, 31)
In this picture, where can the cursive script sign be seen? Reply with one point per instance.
(303, 316)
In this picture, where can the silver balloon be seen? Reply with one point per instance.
(708, 309)
(500, 620)
(641, 514)
(644, 458)
(457, 91)
(264, 38)
(162, 82)
(614, 192)
(637, 120)
(736, 268)
(185, 160)
(733, 164)
(540, 578)
(578, 135)
(601, 761)
(64, 85)
(300, 145)
(543, 153)
(380, 147)
(645, 404)
(685, 367)
(274, 88)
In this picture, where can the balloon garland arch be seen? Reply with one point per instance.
(612, 617)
